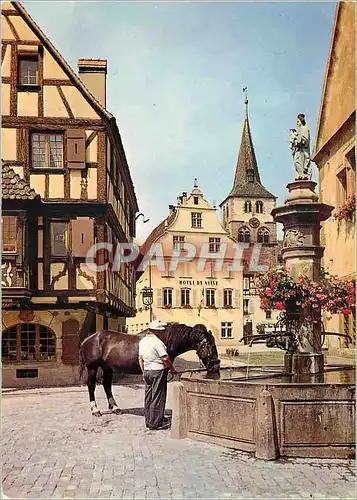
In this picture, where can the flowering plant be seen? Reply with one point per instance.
(347, 211)
(278, 290)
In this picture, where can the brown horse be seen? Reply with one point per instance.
(111, 350)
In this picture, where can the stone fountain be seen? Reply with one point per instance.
(304, 409)
(301, 217)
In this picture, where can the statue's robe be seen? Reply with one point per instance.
(301, 153)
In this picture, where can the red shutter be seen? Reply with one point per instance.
(76, 148)
(70, 342)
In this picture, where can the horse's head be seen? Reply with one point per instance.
(206, 349)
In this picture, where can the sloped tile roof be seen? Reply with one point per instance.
(13, 187)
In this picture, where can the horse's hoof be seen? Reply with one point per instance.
(117, 411)
(96, 413)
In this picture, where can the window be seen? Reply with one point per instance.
(196, 219)
(227, 210)
(185, 297)
(28, 342)
(214, 244)
(9, 233)
(342, 186)
(246, 284)
(263, 235)
(47, 150)
(59, 239)
(244, 235)
(210, 297)
(259, 207)
(250, 174)
(227, 297)
(28, 71)
(267, 314)
(179, 242)
(226, 330)
(167, 296)
(245, 306)
(247, 207)
(195, 200)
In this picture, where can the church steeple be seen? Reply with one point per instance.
(247, 179)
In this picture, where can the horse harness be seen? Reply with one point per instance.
(200, 345)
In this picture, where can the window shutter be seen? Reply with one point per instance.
(219, 298)
(159, 297)
(251, 306)
(236, 299)
(177, 302)
(82, 236)
(194, 302)
(70, 342)
(76, 148)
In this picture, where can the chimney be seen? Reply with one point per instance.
(93, 73)
(172, 209)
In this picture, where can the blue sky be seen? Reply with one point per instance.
(175, 78)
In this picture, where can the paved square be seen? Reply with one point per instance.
(53, 448)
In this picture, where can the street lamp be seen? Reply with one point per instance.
(145, 220)
(147, 297)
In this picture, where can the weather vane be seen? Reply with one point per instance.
(245, 90)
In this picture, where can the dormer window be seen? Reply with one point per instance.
(250, 174)
(195, 200)
(28, 71)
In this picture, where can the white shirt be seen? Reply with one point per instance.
(150, 349)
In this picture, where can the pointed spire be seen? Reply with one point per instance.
(247, 179)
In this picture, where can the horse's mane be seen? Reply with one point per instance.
(181, 331)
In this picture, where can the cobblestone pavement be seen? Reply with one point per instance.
(53, 448)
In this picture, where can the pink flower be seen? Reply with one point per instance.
(279, 306)
(346, 311)
(268, 292)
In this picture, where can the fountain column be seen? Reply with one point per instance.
(301, 216)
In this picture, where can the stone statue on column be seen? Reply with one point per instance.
(300, 148)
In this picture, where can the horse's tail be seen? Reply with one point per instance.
(82, 365)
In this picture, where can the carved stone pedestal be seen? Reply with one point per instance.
(301, 216)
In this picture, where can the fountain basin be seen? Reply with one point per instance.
(264, 412)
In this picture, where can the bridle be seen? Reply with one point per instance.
(204, 344)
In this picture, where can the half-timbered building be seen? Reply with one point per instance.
(66, 185)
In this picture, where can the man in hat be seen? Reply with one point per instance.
(155, 364)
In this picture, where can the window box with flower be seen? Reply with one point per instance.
(186, 306)
(347, 211)
(168, 306)
(211, 307)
